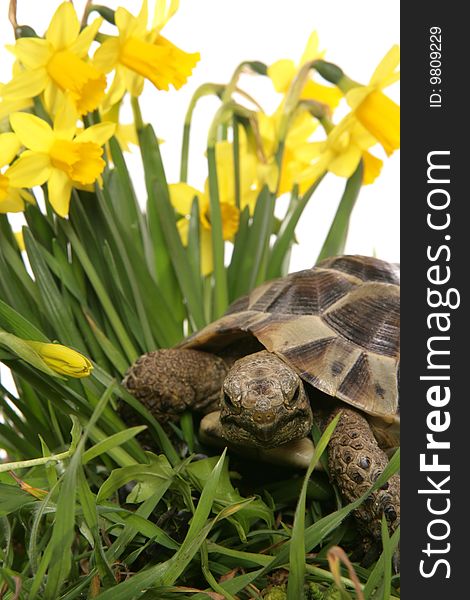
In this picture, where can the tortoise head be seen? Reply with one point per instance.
(264, 402)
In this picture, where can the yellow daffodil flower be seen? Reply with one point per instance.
(282, 73)
(12, 197)
(182, 196)
(58, 64)
(296, 154)
(376, 111)
(63, 360)
(57, 155)
(340, 153)
(138, 54)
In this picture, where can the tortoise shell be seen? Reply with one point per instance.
(336, 324)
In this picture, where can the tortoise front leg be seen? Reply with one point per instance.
(355, 462)
(170, 381)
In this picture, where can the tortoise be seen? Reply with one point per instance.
(297, 349)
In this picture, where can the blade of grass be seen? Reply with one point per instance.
(166, 573)
(295, 584)
(57, 558)
(379, 569)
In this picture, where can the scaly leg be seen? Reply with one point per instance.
(170, 381)
(356, 461)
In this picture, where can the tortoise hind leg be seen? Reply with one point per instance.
(356, 461)
(170, 381)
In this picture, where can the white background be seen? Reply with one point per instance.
(356, 35)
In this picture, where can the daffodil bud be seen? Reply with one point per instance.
(23, 31)
(63, 360)
(329, 71)
(104, 11)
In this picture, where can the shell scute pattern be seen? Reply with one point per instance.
(336, 324)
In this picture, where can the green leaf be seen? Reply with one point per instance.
(220, 276)
(58, 312)
(12, 499)
(167, 572)
(117, 439)
(338, 233)
(57, 558)
(13, 322)
(24, 351)
(159, 197)
(381, 566)
(286, 234)
(158, 471)
(101, 292)
(200, 472)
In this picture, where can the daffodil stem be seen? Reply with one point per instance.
(236, 161)
(204, 90)
(34, 462)
(138, 120)
(336, 239)
(220, 277)
(185, 152)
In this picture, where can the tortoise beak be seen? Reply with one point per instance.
(266, 425)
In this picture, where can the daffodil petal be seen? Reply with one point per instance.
(162, 14)
(182, 196)
(31, 52)
(329, 95)
(33, 132)
(99, 134)
(125, 22)
(386, 67)
(107, 55)
(183, 229)
(281, 74)
(26, 84)
(83, 42)
(355, 96)
(372, 167)
(12, 203)
(133, 82)
(142, 19)
(65, 121)
(8, 106)
(9, 146)
(64, 27)
(32, 168)
(53, 98)
(207, 264)
(59, 188)
(116, 90)
(27, 197)
(345, 164)
(311, 51)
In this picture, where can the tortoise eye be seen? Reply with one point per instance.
(228, 400)
(293, 401)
